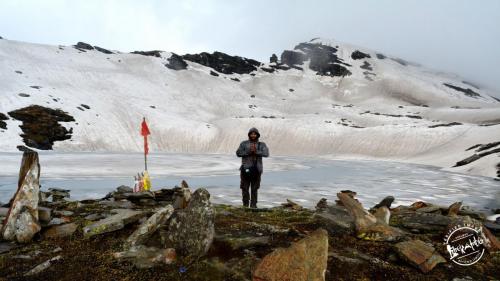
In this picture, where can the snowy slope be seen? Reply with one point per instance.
(297, 111)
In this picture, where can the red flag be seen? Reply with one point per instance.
(144, 128)
(145, 132)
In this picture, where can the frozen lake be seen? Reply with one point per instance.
(302, 179)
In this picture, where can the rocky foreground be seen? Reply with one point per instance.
(177, 234)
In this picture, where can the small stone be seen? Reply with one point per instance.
(43, 266)
(58, 221)
(237, 243)
(429, 209)
(382, 214)
(60, 231)
(63, 213)
(44, 214)
(124, 189)
(147, 257)
(3, 211)
(291, 205)
(122, 204)
(94, 217)
(454, 209)
(115, 222)
(303, 260)
(387, 202)
(147, 228)
(322, 204)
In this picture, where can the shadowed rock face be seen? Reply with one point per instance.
(224, 63)
(468, 92)
(3, 117)
(155, 53)
(323, 59)
(358, 55)
(82, 46)
(176, 62)
(41, 126)
(292, 57)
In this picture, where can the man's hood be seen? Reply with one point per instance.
(254, 130)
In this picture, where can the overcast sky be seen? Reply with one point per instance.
(457, 36)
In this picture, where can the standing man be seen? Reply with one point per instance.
(251, 151)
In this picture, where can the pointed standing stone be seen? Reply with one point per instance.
(21, 223)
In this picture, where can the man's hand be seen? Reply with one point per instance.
(253, 148)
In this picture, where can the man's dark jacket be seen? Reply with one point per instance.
(247, 159)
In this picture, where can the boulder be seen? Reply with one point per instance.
(60, 231)
(21, 223)
(191, 230)
(147, 257)
(368, 227)
(424, 222)
(115, 222)
(336, 220)
(305, 260)
(147, 228)
(419, 254)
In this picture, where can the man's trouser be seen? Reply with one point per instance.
(252, 184)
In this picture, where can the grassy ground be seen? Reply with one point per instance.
(350, 258)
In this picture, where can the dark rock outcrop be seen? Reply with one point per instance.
(446, 125)
(358, 55)
(292, 57)
(82, 46)
(3, 117)
(468, 92)
(224, 63)
(273, 58)
(380, 56)
(102, 50)
(323, 59)
(213, 73)
(154, 53)
(176, 62)
(367, 66)
(41, 126)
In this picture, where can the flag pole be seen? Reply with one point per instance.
(145, 157)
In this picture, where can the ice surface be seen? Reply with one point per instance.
(302, 179)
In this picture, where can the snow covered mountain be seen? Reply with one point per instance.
(321, 98)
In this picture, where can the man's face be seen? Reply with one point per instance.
(253, 136)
